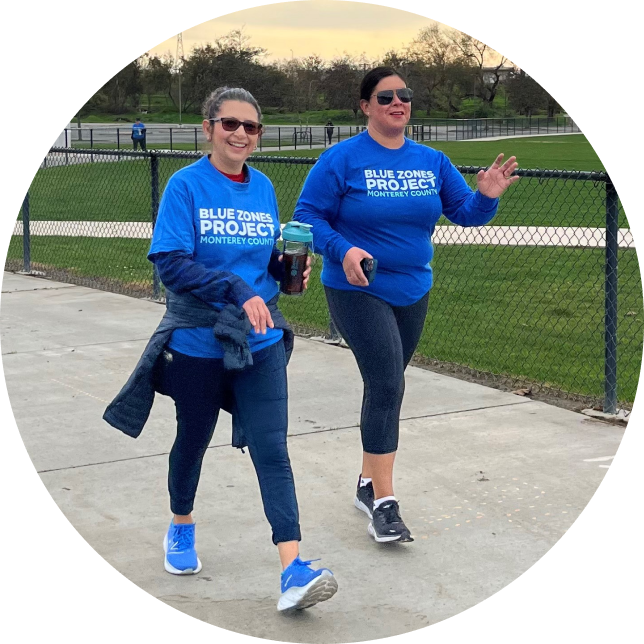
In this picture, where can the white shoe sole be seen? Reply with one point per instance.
(361, 506)
(371, 530)
(318, 590)
(175, 571)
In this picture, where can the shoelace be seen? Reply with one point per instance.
(390, 510)
(304, 563)
(299, 562)
(182, 536)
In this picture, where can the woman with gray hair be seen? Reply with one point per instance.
(223, 343)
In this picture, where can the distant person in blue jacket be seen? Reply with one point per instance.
(215, 239)
(138, 134)
(379, 195)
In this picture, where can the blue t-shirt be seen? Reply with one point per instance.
(137, 131)
(386, 202)
(226, 226)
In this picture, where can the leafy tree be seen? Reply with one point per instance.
(525, 95)
(341, 84)
(230, 60)
(124, 89)
(156, 76)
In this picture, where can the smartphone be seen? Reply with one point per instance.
(369, 267)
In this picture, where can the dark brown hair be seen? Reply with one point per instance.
(373, 77)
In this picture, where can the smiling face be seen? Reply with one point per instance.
(387, 120)
(231, 149)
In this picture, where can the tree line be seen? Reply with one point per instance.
(449, 72)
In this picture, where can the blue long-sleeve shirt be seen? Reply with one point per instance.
(386, 202)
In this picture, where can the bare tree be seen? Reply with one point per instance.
(476, 54)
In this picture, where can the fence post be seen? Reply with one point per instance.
(610, 307)
(154, 185)
(26, 236)
(333, 331)
(196, 144)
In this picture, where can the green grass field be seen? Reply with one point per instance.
(531, 312)
(569, 152)
(121, 191)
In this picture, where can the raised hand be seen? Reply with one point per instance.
(494, 181)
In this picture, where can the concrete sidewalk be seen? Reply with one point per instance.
(488, 481)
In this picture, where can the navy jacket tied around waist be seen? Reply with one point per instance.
(130, 409)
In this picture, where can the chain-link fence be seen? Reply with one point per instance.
(548, 296)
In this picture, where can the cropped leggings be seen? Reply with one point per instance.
(383, 339)
(198, 387)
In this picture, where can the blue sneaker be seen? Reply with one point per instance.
(179, 547)
(303, 587)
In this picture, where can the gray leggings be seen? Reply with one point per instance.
(383, 339)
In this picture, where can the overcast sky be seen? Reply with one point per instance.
(322, 27)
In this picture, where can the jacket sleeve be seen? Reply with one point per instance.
(318, 205)
(181, 274)
(275, 267)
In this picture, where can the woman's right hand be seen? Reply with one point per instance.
(258, 314)
(352, 268)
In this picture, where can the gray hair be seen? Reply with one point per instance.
(213, 103)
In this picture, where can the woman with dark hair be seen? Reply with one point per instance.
(373, 201)
(223, 343)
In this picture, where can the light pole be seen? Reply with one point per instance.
(180, 121)
(179, 64)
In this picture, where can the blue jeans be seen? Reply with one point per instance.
(198, 387)
(383, 339)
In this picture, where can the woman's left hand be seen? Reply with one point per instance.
(494, 181)
(307, 270)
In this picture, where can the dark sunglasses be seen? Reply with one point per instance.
(231, 124)
(387, 95)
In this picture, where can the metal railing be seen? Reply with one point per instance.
(547, 296)
(280, 137)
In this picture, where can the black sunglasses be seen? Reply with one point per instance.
(387, 95)
(231, 124)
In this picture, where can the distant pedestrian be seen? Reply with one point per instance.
(138, 135)
(329, 130)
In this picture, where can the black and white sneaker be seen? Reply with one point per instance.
(364, 498)
(386, 524)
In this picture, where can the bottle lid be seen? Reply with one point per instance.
(295, 231)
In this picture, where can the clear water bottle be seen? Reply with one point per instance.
(297, 241)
